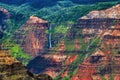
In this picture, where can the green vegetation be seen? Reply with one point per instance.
(95, 42)
(78, 61)
(103, 78)
(70, 45)
(75, 71)
(81, 57)
(58, 13)
(18, 53)
(112, 77)
(66, 78)
(61, 29)
(73, 68)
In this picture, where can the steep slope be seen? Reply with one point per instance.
(84, 47)
(12, 69)
(52, 64)
(103, 63)
(92, 41)
(32, 36)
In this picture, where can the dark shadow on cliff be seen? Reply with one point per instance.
(39, 64)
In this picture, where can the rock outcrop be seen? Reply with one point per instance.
(12, 69)
(104, 60)
(32, 36)
(52, 64)
(45, 65)
(99, 65)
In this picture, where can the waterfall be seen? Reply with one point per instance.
(50, 36)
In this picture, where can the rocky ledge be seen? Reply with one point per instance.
(12, 69)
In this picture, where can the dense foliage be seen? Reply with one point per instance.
(60, 13)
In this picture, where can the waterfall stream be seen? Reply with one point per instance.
(50, 36)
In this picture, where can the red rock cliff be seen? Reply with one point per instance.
(32, 36)
(104, 61)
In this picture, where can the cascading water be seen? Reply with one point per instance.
(50, 36)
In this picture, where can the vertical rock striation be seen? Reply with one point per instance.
(32, 36)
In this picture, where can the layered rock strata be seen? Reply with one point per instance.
(32, 36)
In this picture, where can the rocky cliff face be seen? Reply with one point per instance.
(113, 12)
(94, 41)
(52, 64)
(12, 69)
(45, 65)
(32, 36)
(97, 40)
(4, 15)
(83, 33)
(98, 66)
(103, 62)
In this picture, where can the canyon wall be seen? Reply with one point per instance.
(103, 63)
(32, 36)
